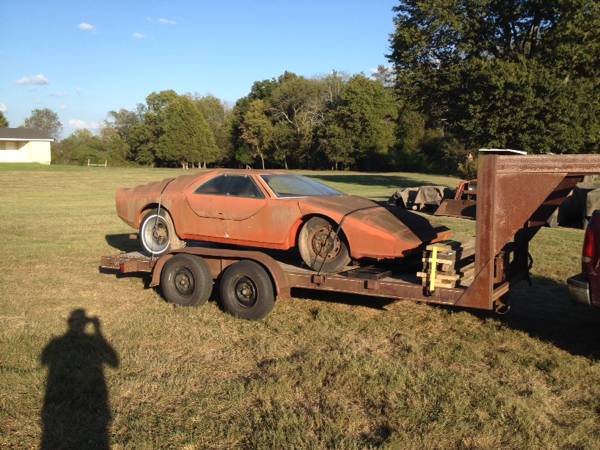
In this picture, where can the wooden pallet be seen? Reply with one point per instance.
(448, 264)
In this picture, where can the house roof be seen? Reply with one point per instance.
(24, 134)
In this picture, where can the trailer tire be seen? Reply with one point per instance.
(157, 233)
(246, 291)
(186, 280)
(317, 236)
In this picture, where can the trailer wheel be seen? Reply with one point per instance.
(246, 291)
(157, 233)
(320, 248)
(186, 280)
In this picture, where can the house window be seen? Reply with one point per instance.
(9, 145)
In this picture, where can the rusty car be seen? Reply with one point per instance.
(270, 210)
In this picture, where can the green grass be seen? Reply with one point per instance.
(328, 371)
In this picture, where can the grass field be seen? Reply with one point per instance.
(326, 371)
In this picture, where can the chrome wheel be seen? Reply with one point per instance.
(155, 234)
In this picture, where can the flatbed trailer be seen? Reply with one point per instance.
(516, 196)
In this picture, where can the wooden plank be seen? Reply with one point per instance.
(439, 276)
(439, 261)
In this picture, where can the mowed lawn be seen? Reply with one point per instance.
(326, 371)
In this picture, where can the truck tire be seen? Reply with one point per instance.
(320, 248)
(246, 291)
(157, 233)
(186, 280)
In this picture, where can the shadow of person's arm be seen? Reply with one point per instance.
(108, 353)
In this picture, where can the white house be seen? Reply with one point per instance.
(25, 145)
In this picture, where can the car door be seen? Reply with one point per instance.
(222, 205)
(203, 219)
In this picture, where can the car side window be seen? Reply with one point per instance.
(216, 186)
(243, 186)
(231, 185)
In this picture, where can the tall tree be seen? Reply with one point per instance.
(3, 121)
(257, 129)
(115, 147)
(186, 136)
(216, 113)
(299, 103)
(44, 119)
(502, 72)
(360, 127)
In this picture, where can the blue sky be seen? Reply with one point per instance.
(85, 58)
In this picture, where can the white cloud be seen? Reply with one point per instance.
(3, 108)
(137, 35)
(28, 80)
(80, 124)
(166, 21)
(84, 26)
(78, 90)
(59, 94)
(63, 106)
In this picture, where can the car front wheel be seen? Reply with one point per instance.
(321, 248)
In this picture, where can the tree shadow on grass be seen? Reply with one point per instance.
(545, 311)
(76, 412)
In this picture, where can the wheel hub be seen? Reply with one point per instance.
(246, 292)
(184, 281)
(160, 233)
(325, 243)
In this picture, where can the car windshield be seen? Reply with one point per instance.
(297, 186)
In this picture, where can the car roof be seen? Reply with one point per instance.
(251, 172)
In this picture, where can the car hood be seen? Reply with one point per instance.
(337, 204)
(404, 225)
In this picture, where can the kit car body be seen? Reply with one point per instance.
(267, 220)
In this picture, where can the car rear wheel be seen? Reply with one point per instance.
(321, 248)
(157, 233)
(186, 280)
(246, 291)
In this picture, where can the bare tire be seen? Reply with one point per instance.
(157, 233)
(246, 291)
(186, 280)
(320, 248)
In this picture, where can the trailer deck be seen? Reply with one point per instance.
(368, 281)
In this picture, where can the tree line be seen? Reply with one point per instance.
(463, 75)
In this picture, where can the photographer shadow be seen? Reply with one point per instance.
(76, 411)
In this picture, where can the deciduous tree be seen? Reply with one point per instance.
(496, 73)
(257, 129)
(44, 119)
(360, 127)
(186, 136)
